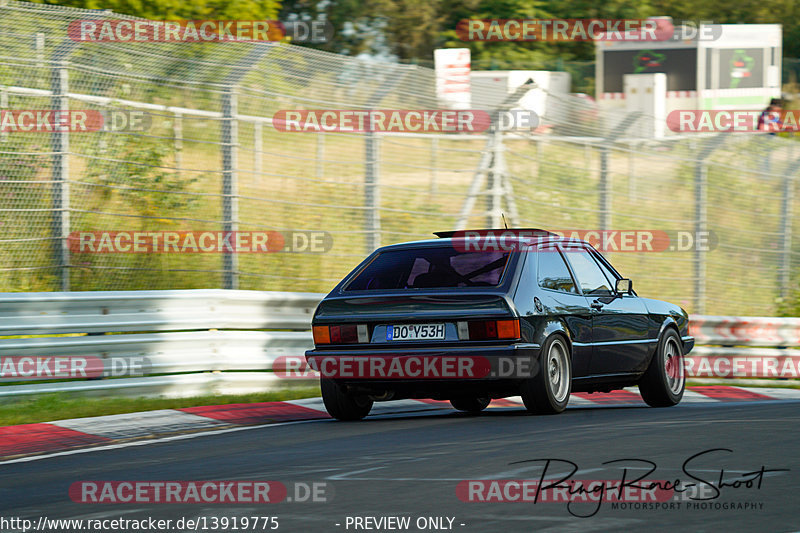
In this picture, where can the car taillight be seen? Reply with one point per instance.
(480, 330)
(322, 335)
(508, 329)
(343, 334)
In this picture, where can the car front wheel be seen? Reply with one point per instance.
(548, 391)
(664, 381)
(341, 405)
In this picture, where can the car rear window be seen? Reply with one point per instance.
(426, 268)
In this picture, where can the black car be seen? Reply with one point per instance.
(469, 320)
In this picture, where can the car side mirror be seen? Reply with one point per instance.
(624, 286)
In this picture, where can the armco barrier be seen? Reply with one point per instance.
(115, 311)
(744, 348)
(193, 342)
(188, 342)
(746, 331)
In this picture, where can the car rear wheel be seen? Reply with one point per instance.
(341, 405)
(548, 391)
(664, 381)
(470, 404)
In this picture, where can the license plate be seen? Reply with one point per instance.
(413, 332)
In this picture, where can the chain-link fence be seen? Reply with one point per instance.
(213, 161)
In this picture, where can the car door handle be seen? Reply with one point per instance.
(597, 305)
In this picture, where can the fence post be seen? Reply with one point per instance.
(320, 167)
(230, 156)
(59, 145)
(39, 45)
(766, 161)
(587, 158)
(475, 187)
(3, 105)
(787, 215)
(700, 225)
(177, 134)
(701, 216)
(786, 233)
(434, 162)
(604, 187)
(631, 173)
(258, 151)
(59, 86)
(372, 200)
(230, 189)
(539, 158)
(495, 176)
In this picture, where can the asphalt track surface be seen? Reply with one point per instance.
(409, 465)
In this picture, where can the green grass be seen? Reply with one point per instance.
(49, 407)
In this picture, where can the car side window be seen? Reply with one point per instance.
(589, 276)
(552, 272)
(607, 271)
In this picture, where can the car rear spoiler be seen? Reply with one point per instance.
(449, 234)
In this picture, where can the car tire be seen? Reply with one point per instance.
(470, 404)
(343, 406)
(547, 393)
(664, 381)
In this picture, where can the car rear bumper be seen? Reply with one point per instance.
(438, 372)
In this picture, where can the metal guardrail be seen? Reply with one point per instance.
(170, 353)
(751, 350)
(193, 342)
(119, 311)
(175, 343)
(746, 331)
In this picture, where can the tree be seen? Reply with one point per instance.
(412, 29)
